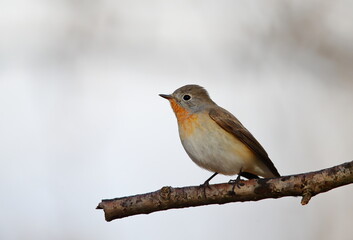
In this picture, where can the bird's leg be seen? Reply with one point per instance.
(235, 182)
(207, 182)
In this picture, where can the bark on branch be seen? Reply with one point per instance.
(306, 185)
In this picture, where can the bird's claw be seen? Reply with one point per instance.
(235, 182)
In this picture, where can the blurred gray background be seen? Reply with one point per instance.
(81, 119)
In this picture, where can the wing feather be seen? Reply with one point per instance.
(232, 125)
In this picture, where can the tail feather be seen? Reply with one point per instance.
(249, 175)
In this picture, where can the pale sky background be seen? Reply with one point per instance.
(81, 119)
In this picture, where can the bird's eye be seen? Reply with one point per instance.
(186, 97)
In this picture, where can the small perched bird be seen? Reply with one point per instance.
(214, 139)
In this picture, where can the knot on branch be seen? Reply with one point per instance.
(165, 193)
(307, 194)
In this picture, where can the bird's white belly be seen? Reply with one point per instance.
(214, 149)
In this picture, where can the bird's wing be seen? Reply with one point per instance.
(232, 125)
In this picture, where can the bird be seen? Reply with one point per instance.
(215, 139)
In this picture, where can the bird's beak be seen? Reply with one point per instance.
(166, 96)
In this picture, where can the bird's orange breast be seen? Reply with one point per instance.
(186, 121)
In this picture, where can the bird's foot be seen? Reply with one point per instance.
(205, 185)
(207, 182)
(235, 182)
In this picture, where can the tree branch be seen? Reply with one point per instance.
(306, 185)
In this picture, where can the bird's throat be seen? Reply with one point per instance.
(181, 113)
(186, 120)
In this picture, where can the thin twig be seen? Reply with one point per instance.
(306, 185)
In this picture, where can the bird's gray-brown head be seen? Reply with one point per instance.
(192, 98)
